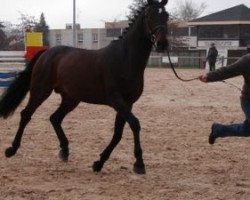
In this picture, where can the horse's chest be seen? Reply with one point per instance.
(132, 90)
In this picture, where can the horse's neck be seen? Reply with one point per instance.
(138, 46)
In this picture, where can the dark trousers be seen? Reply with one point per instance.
(239, 130)
(211, 65)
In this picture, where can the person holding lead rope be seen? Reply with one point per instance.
(240, 67)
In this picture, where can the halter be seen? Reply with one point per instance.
(153, 36)
(153, 33)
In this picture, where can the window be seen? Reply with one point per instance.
(95, 37)
(69, 26)
(219, 32)
(210, 32)
(80, 38)
(245, 31)
(231, 31)
(58, 39)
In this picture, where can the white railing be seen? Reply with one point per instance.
(12, 56)
(11, 62)
(184, 61)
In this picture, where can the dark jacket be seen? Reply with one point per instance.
(240, 67)
(212, 54)
(248, 49)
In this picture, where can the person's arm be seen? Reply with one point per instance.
(237, 68)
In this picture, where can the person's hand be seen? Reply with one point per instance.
(203, 78)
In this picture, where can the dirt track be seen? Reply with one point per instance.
(181, 165)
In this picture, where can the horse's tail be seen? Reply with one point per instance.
(14, 95)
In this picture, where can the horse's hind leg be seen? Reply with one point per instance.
(67, 105)
(34, 102)
(119, 125)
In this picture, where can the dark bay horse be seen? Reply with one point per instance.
(110, 76)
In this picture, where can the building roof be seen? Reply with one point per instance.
(237, 13)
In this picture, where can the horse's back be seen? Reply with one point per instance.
(71, 71)
(86, 75)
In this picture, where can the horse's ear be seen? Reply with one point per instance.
(150, 1)
(164, 2)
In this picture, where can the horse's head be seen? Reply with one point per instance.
(156, 19)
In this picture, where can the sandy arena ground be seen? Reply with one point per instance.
(175, 119)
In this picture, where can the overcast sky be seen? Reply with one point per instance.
(90, 13)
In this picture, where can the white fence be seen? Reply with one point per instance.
(12, 56)
(188, 61)
(11, 62)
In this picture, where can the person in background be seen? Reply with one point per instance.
(212, 56)
(240, 67)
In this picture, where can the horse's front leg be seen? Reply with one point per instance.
(118, 130)
(124, 114)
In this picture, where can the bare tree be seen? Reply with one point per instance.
(27, 21)
(15, 40)
(187, 10)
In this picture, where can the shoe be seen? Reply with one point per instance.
(212, 137)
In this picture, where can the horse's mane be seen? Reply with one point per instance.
(133, 19)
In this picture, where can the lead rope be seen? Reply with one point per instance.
(230, 84)
(175, 73)
(192, 79)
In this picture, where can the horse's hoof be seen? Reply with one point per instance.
(10, 152)
(64, 155)
(139, 169)
(97, 166)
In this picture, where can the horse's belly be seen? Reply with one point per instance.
(90, 94)
(95, 98)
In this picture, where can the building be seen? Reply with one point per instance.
(229, 29)
(85, 38)
(94, 38)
